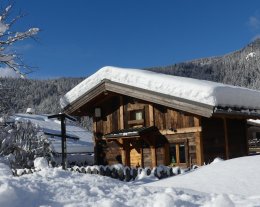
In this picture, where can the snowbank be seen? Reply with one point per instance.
(235, 176)
(210, 185)
(5, 170)
(211, 93)
(40, 163)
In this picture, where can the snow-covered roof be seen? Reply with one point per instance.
(53, 126)
(200, 91)
(254, 122)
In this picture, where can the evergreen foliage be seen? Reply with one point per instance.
(240, 68)
(22, 142)
(42, 95)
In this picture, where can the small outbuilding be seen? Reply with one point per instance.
(253, 134)
(80, 146)
(142, 118)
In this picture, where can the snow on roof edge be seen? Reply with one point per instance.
(201, 91)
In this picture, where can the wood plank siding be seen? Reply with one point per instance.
(175, 129)
(224, 137)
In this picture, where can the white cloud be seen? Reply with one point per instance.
(254, 22)
(8, 72)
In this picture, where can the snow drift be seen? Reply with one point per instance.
(55, 187)
(235, 176)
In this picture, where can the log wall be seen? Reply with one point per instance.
(213, 136)
(116, 114)
(237, 138)
(204, 138)
(224, 137)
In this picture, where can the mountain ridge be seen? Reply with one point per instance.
(239, 68)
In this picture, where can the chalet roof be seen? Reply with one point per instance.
(187, 94)
(130, 132)
(253, 122)
(80, 140)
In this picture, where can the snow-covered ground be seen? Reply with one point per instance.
(235, 176)
(228, 183)
(250, 55)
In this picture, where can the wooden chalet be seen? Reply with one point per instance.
(140, 127)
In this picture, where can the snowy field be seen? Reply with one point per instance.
(227, 183)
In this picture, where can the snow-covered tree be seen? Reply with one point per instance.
(9, 58)
(21, 142)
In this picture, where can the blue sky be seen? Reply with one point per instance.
(79, 37)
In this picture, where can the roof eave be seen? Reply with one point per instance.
(178, 103)
(253, 114)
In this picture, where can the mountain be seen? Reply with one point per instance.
(42, 95)
(239, 68)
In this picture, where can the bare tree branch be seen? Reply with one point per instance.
(9, 38)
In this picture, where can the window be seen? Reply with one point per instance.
(182, 153)
(138, 115)
(257, 135)
(136, 118)
(178, 153)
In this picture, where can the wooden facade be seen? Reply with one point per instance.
(140, 128)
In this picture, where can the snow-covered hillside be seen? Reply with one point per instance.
(54, 187)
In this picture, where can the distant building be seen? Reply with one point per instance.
(30, 111)
(141, 118)
(80, 146)
(253, 134)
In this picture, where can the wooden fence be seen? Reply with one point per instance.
(120, 172)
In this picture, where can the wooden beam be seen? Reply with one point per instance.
(141, 152)
(94, 125)
(151, 142)
(153, 156)
(151, 115)
(135, 107)
(121, 113)
(226, 138)
(236, 115)
(126, 153)
(181, 130)
(141, 121)
(177, 148)
(199, 148)
(166, 153)
(199, 142)
(188, 158)
(95, 138)
(168, 118)
(110, 139)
